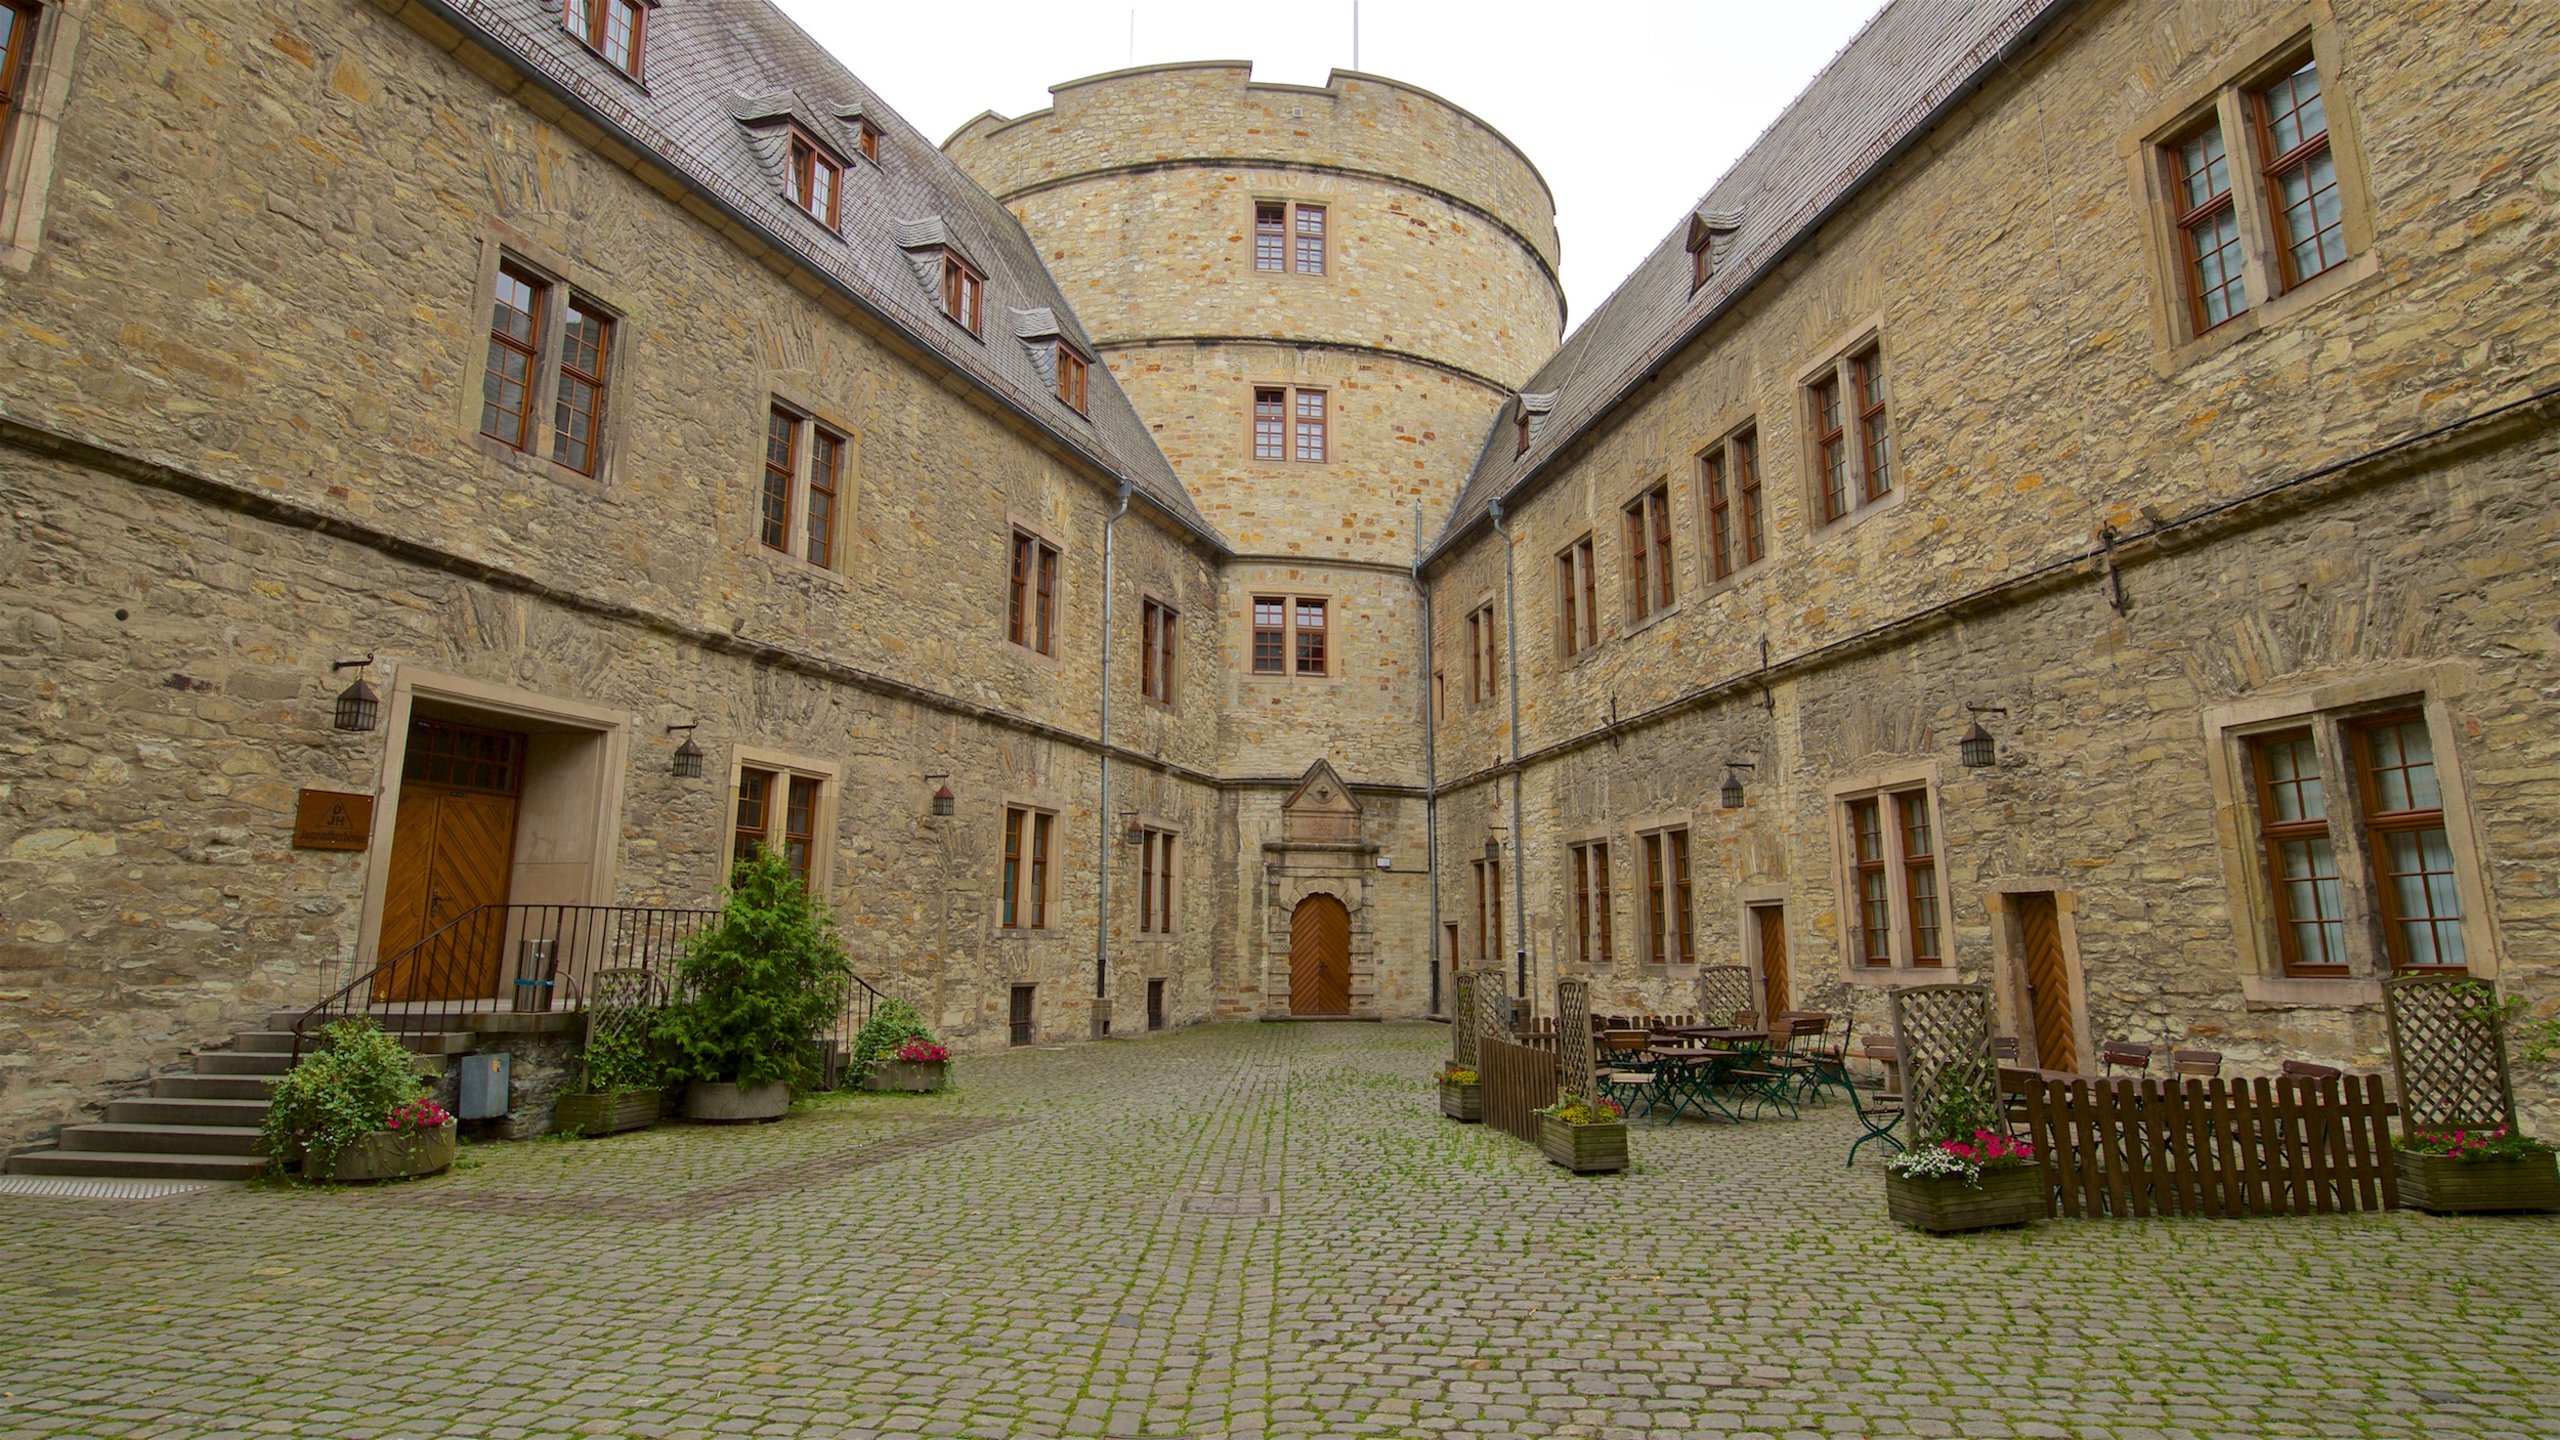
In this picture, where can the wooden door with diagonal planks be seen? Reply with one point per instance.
(1774, 987)
(2048, 981)
(1320, 957)
(452, 850)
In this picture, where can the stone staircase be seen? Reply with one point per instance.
(200, 1124)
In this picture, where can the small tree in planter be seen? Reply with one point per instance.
(1584, 1136)
(896, 1050)
(1461, 1093)
(757, 986)
(1966, 1174)
(356, 1110)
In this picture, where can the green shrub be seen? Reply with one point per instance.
(759, 984)
(893, 1023)
(338, 1094)
(624, 1057)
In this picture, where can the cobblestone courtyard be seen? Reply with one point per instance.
(1235, 1231)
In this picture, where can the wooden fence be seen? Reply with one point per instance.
(1519, 1081)
(2293, 1146)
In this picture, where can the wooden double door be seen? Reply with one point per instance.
(1320, 957)
(452, 852)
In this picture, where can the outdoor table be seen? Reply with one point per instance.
(1690, 1074)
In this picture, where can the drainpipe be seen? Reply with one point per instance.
(1519, 822)
(1430, 762)
(1102, 852)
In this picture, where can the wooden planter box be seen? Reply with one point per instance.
(2442, 1185)
(602, 1112)
(395, 1155)
(911, 1077)
(2011, 1196)
(1463, 1103)
(1584, 1149)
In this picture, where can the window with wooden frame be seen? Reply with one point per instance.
(1439, 695)
(515, 338)
(2301, 858)
(1288, 237)
(1270, 235)
(813, 178)
(1702, 257)
(1488, 910)
(1155, 882)
(964, 292)
(2208, 225)
(1589, 862)
(1484, 640)
(777, 810)
(18, 22)
(1309, 436)
(867, 139)
(1895, 892)
(1270, 424)
(1520, 431)
(1729, 481)
(1851, 428)
(1670, 924)
(577, 424)
(2309, 221)
(1577, 598)
(1292, 635)
(803, 477)
(2411, 855)
(1073, 371)
(1649, 562)
(1309, 254)
(1023, 894)
(614, 29)
(1155, 651)
(1032, 611)
(781, 478)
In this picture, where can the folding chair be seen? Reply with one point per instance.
(2202, 1064)
(2126, 1053)
(1876, 1121)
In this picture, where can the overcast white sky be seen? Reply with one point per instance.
(1630, 108)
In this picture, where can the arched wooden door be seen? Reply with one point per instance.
(1320, 957)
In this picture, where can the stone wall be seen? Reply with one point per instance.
(2035, 400)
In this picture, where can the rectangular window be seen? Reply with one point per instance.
(1310, 623)
(1669, 923)
(1270, 424)
(2301, 176)
(577, 417)
(1155, 882)
(18, 21)
(779, 810)
(963, 292)
(2208, 227)
(1270, 236)
(2405, 842)
(826, 477)
(1648, 524)
(1721, 551)
(1311, 436)
(1310, 239)
(1920, 877)
(1019, 1027)
(1875, 901)
(1875, 434)
(1830, 448)
(1024, 901)
(1484, 639)
(613, 28)
(1745, 451)
(1033, 610)
(813, 179)
(867, 136)
(1590, 863)
(799, 825)
(1155, 652)
(1577, 599)
(755, 813)
(781, 476)
(1488, 909)
(515, 333)
(1270, 635)
(1520, 433)
(2302, 862)
(1072, 369)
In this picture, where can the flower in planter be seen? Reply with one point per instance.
(894, 1025)
(1576, 1110)
(2473, 1146)
(924, 1052)
(1963, 1159)
(419, 1114)
(358, 1082)
(1456, 1074)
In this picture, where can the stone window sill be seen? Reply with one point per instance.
(2287, 992)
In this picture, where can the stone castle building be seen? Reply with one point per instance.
(1159, 559)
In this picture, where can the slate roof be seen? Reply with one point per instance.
(721, 76)
(1882, 91)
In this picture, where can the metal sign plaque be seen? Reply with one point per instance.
(332, 820)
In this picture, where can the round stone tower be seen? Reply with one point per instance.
(1319, 300)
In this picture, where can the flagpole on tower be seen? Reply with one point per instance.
(1355, 34)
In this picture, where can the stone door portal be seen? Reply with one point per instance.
(1320, 957)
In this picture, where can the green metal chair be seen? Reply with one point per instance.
(1876, 1120)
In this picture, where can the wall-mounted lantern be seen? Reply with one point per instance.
(1492, 850)
(688, 761)
(1975, 748)
(1130, 829)
(944, 802)
(1731, 795)
(358, 707)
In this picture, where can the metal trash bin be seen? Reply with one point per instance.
(534, 963)
(486, 1081)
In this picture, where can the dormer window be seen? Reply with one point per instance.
(1072, 369)
(964, 292)
(615, 29)
(1520, 430)
(1702, 259)
(813, 178)
(868, 137)
(1708, 233)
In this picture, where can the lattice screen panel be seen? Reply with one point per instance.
(622, 1005)
(1463, 1019)
(1722, 991)
(2449, 1050)
(1574, 1068)
(1493, 1004)
(1944, 1035)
